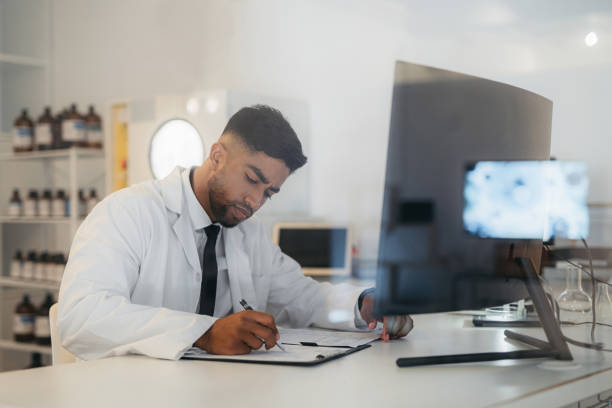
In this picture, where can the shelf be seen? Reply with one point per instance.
(23, 61)
(35, 220)
(28, 347)
(27, 284)
(81, 152)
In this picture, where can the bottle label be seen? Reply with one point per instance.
(42, 329)
(14, 209)
(43, 134)
(49, 271)
(39, 271)
(73, 130)
(28, 270)
(16, 269)
(23, 323)
(30, 208)
(44, 208)
(22, 137)
(83, 208)
(59, 208)
(94, 133)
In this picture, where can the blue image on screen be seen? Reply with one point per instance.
(526, 199)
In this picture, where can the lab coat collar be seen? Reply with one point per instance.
(172, 194)
(171, 190)
(199, 217)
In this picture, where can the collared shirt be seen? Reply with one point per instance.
(199, 221)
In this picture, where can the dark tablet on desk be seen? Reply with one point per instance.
(483, 321)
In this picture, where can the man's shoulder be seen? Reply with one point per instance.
(135, 198)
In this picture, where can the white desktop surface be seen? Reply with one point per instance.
(368, 378)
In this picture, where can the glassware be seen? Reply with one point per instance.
(508, 312)
(603, 303)
(574, 302)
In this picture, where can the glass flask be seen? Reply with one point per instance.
(574, 302)
(603, 303)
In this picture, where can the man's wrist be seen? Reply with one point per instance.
(363, 295)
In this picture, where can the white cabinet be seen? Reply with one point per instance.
(69, 169)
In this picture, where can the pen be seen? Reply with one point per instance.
(246, 306)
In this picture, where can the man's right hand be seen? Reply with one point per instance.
(239, 333)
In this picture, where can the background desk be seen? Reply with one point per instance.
(368, 378)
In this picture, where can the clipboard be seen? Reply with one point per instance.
(296, 355)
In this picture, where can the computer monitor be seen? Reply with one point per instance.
(440, 122)
(321, 249)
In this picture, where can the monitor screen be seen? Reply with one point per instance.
(441, 121)
(319, 249)
(526, 199)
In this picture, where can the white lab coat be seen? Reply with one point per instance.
(132, 282)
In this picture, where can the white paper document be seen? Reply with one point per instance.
(294, 354)
(326, 338)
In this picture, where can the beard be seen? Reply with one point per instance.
(220, 205)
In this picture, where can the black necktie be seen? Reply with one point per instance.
(208, 290)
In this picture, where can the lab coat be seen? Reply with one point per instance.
(133, 277)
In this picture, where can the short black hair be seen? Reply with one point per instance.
(264, 129)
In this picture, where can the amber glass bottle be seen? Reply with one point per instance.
(42, 329)
(23, 323)
(93, 129)
(23, 133)
(73, 129)
(43, 133)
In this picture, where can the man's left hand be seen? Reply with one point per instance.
(394, 327)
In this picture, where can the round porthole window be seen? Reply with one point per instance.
(175, 143)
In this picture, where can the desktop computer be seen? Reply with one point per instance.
(443, 122)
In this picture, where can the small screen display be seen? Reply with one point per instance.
(316, 247)
(526, 199)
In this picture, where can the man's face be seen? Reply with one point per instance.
(243, 184)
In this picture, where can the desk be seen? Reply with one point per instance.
(368, 378)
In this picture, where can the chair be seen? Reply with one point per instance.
(59, 354)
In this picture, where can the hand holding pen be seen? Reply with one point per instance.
(239, 333)
(246, 306)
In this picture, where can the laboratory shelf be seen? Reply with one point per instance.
(27, 284)
(22, 60)
(27, 347)
(81, 152)
(35, 220)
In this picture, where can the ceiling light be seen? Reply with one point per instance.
(193, 106)
(212, 104)
(591, 39)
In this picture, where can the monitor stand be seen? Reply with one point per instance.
(556, 347)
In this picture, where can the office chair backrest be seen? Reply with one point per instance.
(59, 354)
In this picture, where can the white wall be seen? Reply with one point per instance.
(338, 57)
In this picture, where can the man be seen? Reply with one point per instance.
(163, 265)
